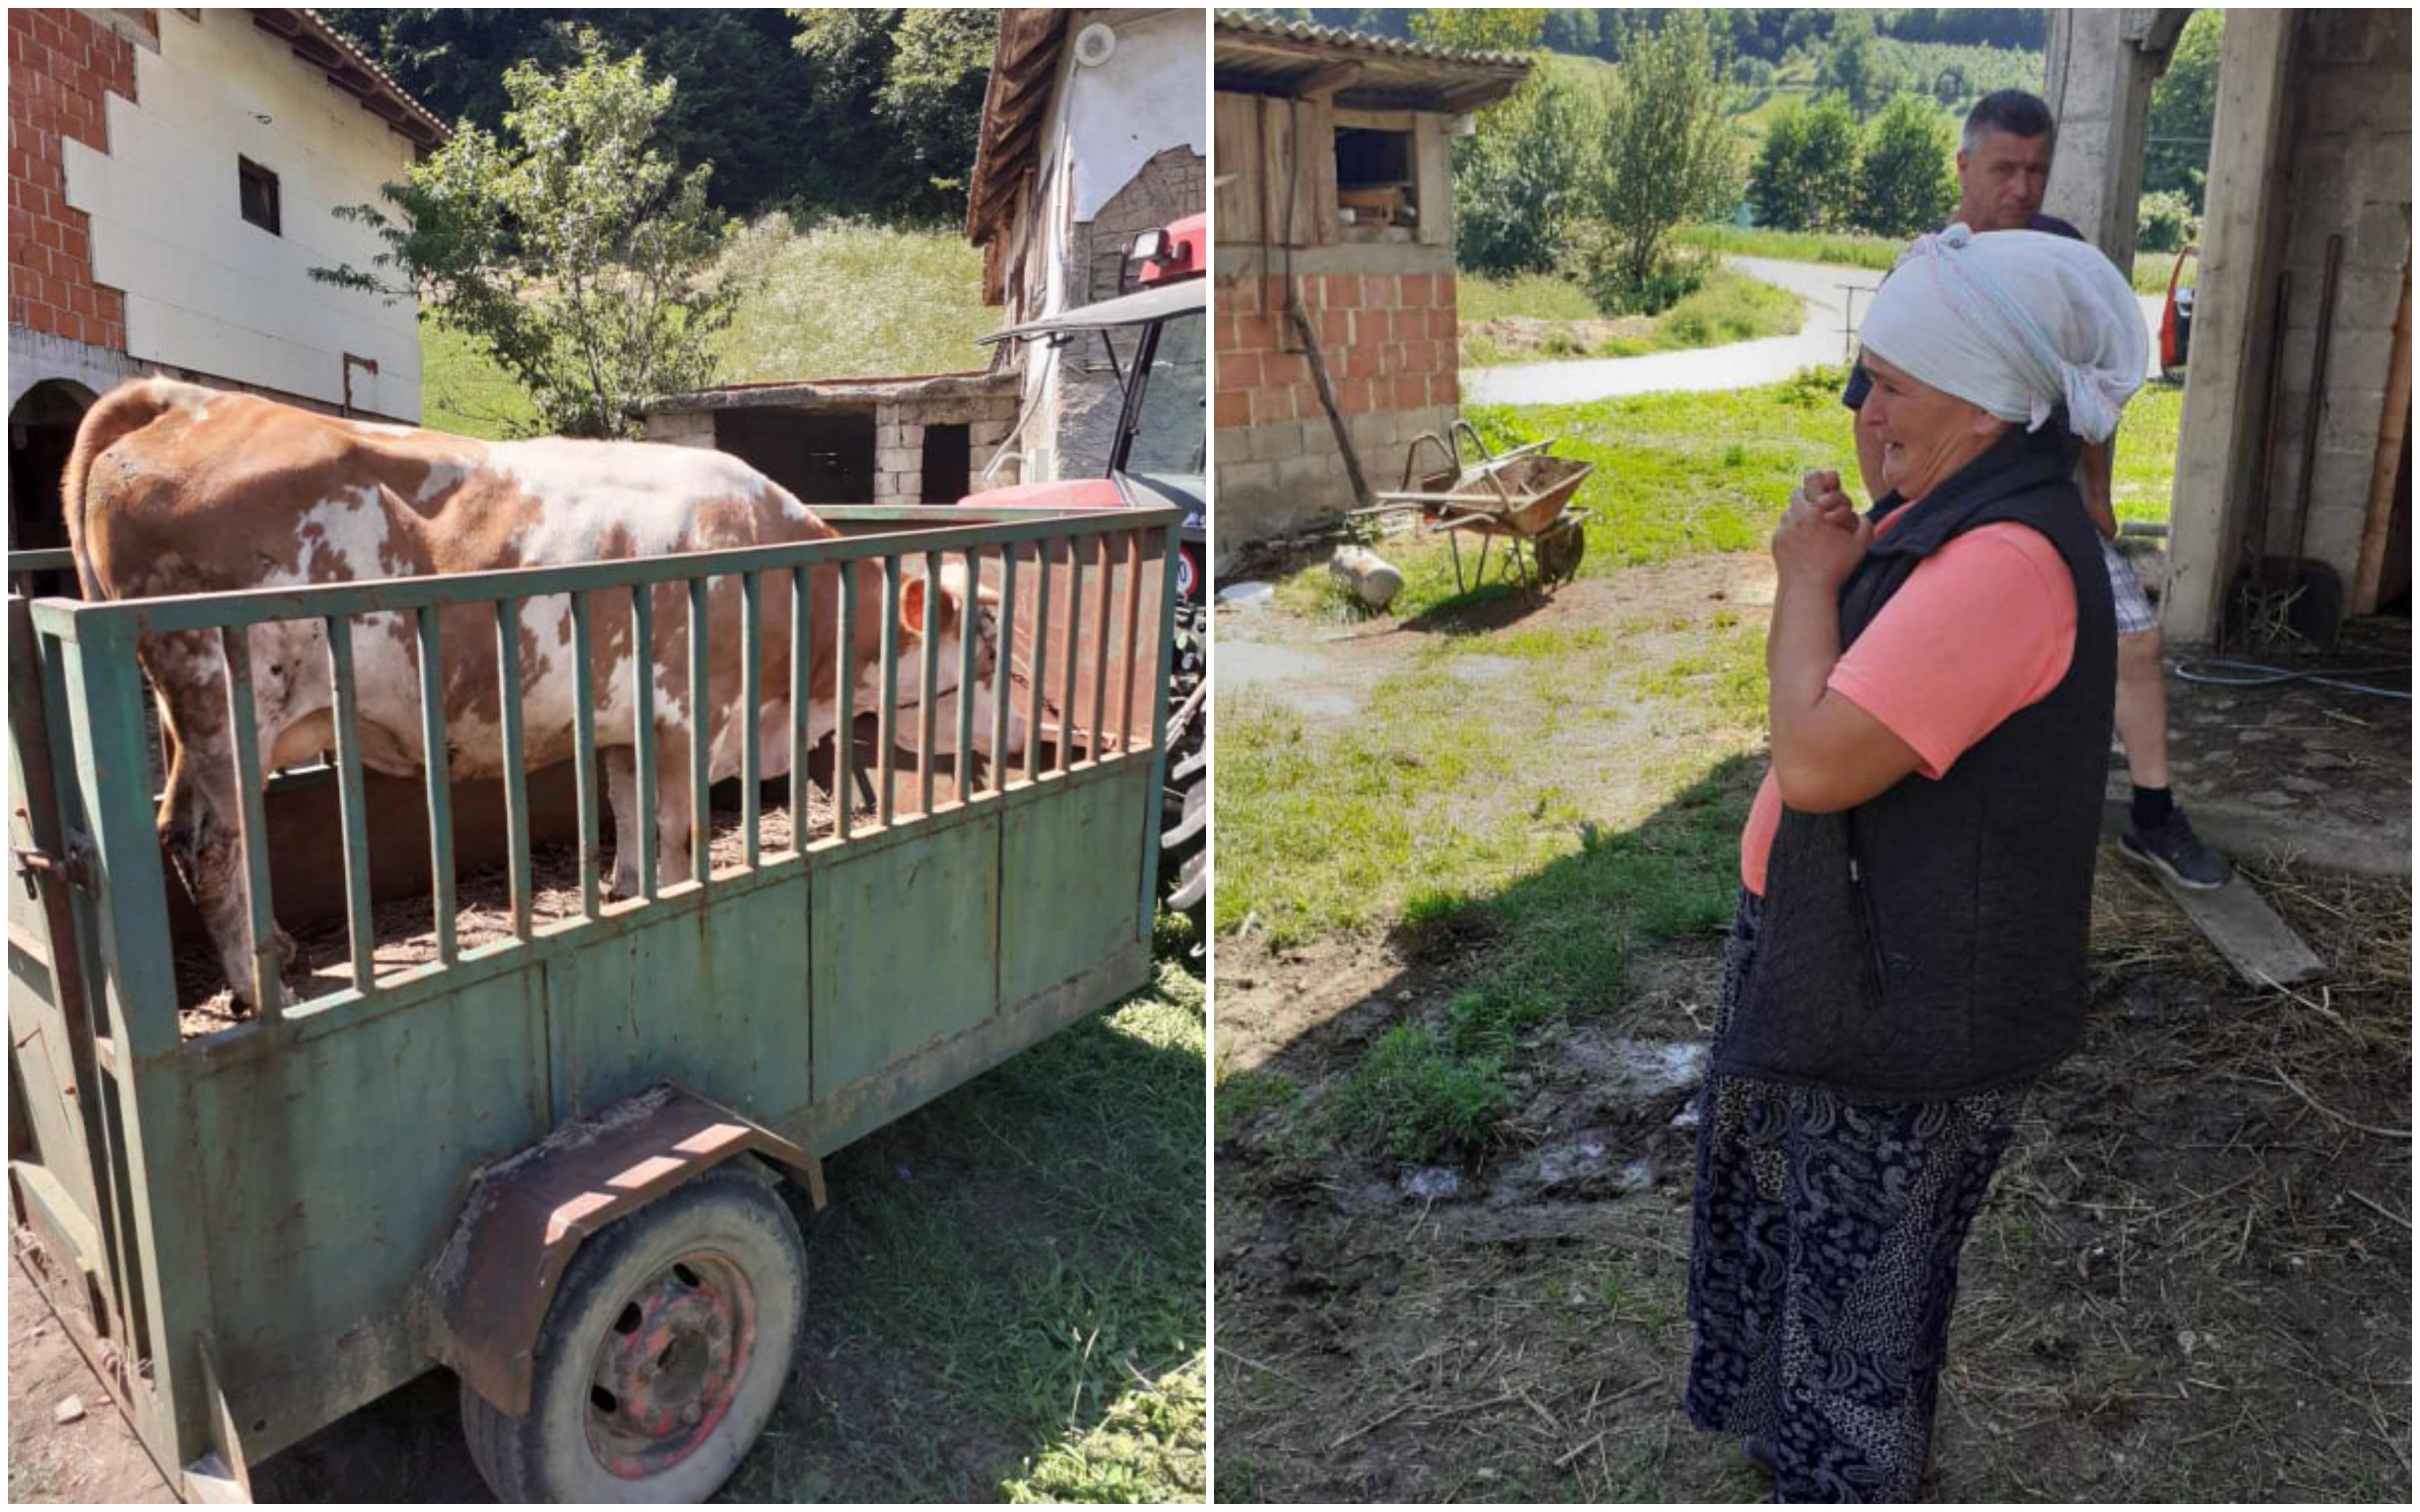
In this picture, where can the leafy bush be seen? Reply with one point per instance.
(2164, 221)
(1516, 177)
(1905, 180)
(1805, 175)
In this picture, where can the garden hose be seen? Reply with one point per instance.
(2257, 674)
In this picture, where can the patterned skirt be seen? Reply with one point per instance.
(1822, 1264)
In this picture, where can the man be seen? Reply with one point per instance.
(2002, 171)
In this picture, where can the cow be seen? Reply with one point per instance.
(175, 488)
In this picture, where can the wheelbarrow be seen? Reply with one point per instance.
(1523, 496)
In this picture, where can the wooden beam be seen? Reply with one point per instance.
(1327, 81)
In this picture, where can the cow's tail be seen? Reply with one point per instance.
(119, 413)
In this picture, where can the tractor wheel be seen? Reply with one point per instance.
(661, 1356)
(1559, 551)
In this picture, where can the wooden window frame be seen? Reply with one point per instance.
(248, 172)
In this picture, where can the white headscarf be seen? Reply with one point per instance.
(2015, 322)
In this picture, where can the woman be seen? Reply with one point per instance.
(1909, 951)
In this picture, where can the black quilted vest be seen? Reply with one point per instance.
(1930, 943)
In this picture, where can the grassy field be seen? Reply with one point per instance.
(1727, 307)
(2150, 273)
(840, 301)
(1311, 834)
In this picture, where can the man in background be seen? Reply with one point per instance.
(2003, 172)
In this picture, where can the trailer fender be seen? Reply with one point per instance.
(525, 1216)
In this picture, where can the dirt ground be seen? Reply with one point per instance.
(94, 1458)
(2192, 1281)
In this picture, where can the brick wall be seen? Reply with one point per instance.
(60, 64)
(1388, 337)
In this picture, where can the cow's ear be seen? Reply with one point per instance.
(914, 605)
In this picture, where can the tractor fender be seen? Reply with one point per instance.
(525, 1215)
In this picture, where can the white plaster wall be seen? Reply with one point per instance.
(205, 288)
(1104, 123)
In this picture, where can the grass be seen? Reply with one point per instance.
(1006, 1292)
(2148, 273)
(845, 299)
(850, 299)
(1727, 307)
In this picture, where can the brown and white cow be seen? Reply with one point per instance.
(175, 488)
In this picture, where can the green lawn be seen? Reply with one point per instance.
(1727, 307)
(840, 301)
(1005, 1296)
(1855, 249)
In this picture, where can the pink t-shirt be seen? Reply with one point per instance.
(1981, 629)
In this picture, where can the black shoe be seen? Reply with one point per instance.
(2173, 848)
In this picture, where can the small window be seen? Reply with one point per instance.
(1377, 180)
(257, 187)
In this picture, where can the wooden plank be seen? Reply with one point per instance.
(2263, 948)
(1314, 131)
(1236, 128)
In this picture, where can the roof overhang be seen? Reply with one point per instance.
(1256, 56)
(1157, 303)
(348, 68)
(839, 393)
(1024, 68)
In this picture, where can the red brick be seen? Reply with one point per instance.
(1343, 290)
(1410, 391)
(76, 242)
(1233, 410)
(1256, 332)
(1445, 388)
(1361, 362)
(1242, 295)
(1335, 328)
(1421, 356)
(1359, 397)
(1442, 289)
(1241, 370)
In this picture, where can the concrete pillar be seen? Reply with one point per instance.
(2098, 66)
(2220, 439)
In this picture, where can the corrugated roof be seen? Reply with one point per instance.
(1337, 36)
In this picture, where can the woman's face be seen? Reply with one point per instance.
(1927, 435)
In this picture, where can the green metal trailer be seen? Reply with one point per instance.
(542, 1161)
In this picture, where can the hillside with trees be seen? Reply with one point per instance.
(865, 112)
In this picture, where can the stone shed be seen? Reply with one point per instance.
(2310, 164)
(1335, 214)
(881, 440)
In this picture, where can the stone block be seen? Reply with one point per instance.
(1243, 477)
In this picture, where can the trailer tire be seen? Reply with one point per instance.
(711, 1282)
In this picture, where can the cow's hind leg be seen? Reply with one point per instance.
(622, 791)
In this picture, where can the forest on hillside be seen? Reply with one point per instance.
(861, 113)
(1768, 34)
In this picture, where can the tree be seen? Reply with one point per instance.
(1852, 67)
(1666, 153)
(1806, 175)
(1479, 31)
(571, 249)
(1905, 180)
(2184, 105)
(1516, 175)
(2164, 221)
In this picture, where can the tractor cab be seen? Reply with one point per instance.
(1152, 337)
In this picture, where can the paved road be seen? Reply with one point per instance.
(1830, 301)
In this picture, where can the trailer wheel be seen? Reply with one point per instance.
(661, 1356)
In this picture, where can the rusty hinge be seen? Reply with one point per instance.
(74, 869)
